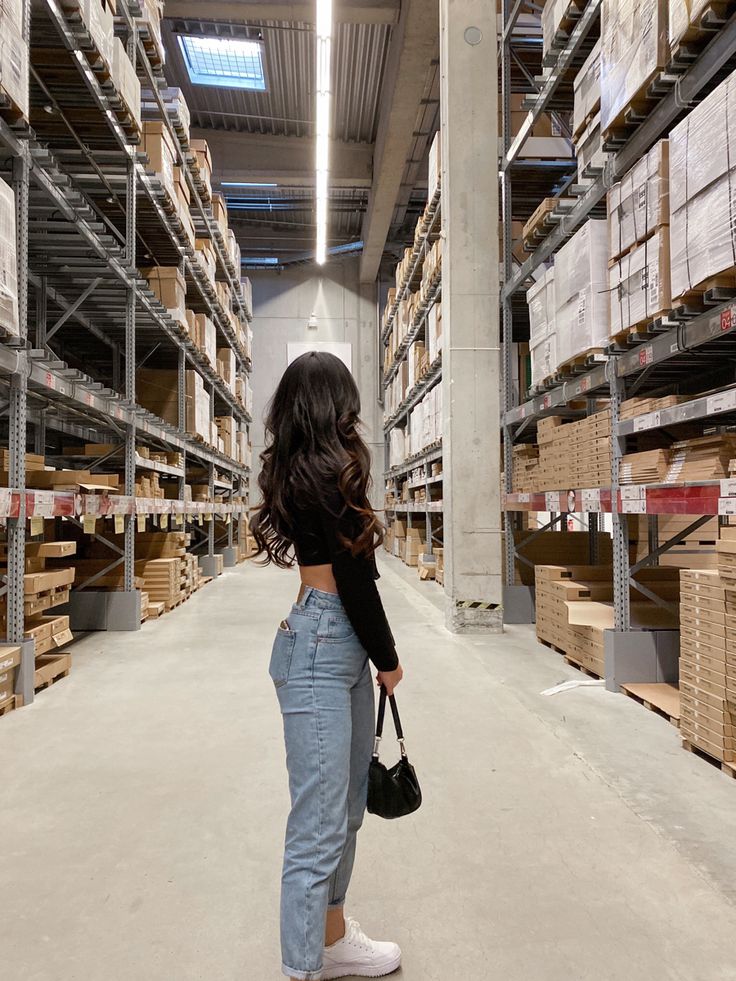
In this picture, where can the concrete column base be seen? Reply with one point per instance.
(91, 609)
(469, 620)
(519, 605)
(229, 557)
(209, 565)
(641, 656)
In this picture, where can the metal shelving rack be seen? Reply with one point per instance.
(654, 362)
(87, 216)
(421, 461)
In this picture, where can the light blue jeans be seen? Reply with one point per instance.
(325, 691)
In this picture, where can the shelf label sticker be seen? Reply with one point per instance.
(646, 355)
(634, 506)
(728, 318)
(43, 503)
(119, 524)
(6, 502)
(50, 381)
(728, 488)
(165, 521)
(89, 524)
(141, 522)
(721, 402)
(547, 401)
(36, 526)
(585, 384)
(727, 505)
(523, 498)
(633, 492)
(649, 420)
(553, 501)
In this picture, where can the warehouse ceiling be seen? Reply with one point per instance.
(385, 113)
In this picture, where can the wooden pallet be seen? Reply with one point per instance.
(580, 363)
(696, 299)
(652, 91)
(700, 33)
(639, 333)
(728, 768)
(662, 699)
(51, 668)
(581, 667)
(7, 706)
(552, 647)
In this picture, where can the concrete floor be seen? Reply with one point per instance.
(565, 837)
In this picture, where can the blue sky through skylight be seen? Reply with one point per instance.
(226, 62)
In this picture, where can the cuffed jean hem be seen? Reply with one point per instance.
(291, 972)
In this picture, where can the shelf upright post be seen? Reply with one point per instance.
(40, 342)
(16, 527)
(630, 655)
(209, 566)
(518, 600)
(124, 608)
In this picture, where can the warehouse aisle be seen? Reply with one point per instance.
(562, 837)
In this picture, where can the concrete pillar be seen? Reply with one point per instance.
(470, 315)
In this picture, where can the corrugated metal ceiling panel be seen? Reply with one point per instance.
(286, 108)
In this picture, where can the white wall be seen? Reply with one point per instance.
(345, 311)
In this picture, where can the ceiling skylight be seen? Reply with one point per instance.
(226, 62)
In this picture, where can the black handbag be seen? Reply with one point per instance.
(394, 792)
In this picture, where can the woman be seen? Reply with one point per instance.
(315, 511)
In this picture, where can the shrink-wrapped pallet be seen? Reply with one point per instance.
(703, 190)
(639, 204)
(634, 48)
(587, 90)
(542, 337)
(581, 292)
(640, 283)
(8, 266)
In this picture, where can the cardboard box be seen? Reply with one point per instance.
(126, 80)
(14, 61)
(702, 185)
(204, 162)
(157, 391)
(634, 47)
(207, 337)
(640, 283)
(587, 89)
(170, 287)
(162, 155)
(581, 292)
(639, 204)
(8, 263)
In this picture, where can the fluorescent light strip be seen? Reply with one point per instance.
(246, 184)
(322, 117)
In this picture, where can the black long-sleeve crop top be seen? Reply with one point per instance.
(317, 541)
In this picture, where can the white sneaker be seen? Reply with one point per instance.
(358, 955)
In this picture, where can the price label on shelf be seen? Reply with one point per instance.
(634, 506)
(722, 402)
(36, 526)
(553, 501)
(43, 503)
(727, 505)
(728, 488)
(523, 498)
(141, 522)
(585, 384)
(547, 401)
(119, 524)
(50, 380)
(728, 318)
(648, 421)
(646, 355)
(89, 524)
(633, 492)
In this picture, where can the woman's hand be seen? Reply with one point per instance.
(390, 679)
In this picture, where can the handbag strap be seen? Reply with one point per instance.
(379, 722)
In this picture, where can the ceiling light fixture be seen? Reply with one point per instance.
(323, 113)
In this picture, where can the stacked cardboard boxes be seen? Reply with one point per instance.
(8, 265)
(634, 49)
(542, 330)
(703, 187)
(170, 287)
(581, 292)
(707, 667)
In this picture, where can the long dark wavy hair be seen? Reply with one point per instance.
(312, 446)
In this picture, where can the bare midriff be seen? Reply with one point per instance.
(318, 577)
